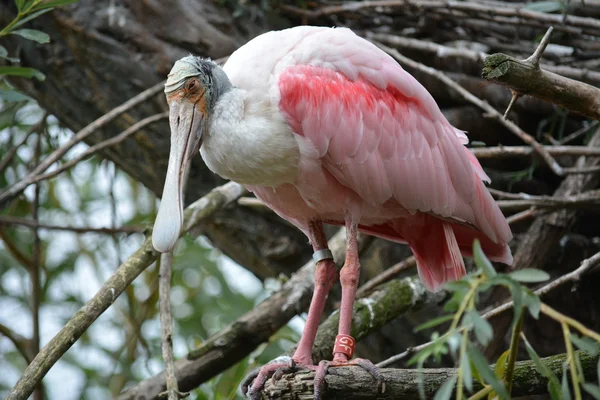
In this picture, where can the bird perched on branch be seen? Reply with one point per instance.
(324, 127)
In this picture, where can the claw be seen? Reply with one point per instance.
(324, 366)
(254, 382)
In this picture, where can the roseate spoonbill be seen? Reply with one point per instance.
(325, 127)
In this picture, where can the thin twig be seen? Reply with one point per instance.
(102, 145)
(22, 184)
(21, 342)
(386, 275)
(166, 323)
(490, 111)
(34, 272)
(484, 153)
(535, 58)
(11, 153)
(112, 288)
(9, 220)
(573, 276)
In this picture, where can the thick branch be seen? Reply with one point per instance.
(109, 292)
(526, 78)
(352, 383)
(241, 337)
(385, 304)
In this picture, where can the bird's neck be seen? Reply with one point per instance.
(249, 142)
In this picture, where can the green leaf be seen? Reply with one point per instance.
(53, 3)
(32, 34)
(30, 17)
(12, 96)
(553, 384)
(544, 6)
(592, 390)
(19, 4)
(486, 373)
(586, 344)
(482, 261)
(533, 303)
(22, 71)
(483, 330)
(516, 291)
(529, 275)
(3, 52)
(434, 322)
(445, 391)
(465, 364)
(500, 366)
(565, 392)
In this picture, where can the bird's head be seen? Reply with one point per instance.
(193, 87)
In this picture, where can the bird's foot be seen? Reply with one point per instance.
(254, 382)
(323, 369)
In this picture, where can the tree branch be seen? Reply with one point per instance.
(242, 336)
(9, 220)
(166, 324)
(22, 184)
(110, 291)
(524, 77)
(352, 383)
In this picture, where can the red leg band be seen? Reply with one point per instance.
(344, 344)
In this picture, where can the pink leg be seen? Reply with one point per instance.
(344, 343)
(325, 275)
(349, 279)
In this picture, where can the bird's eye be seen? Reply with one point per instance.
(191, 84)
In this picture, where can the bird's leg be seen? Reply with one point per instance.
(325, 276)
(343, 349)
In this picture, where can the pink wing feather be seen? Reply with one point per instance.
(381, 134)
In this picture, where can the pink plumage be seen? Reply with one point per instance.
(384, 146)
(325, 127)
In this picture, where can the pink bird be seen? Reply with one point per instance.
(324, 127)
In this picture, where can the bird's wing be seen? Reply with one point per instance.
(381, 134)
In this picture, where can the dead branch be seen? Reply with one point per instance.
(242, 336)
(100, 146)
(9, 220)
(525, 77)
(166, 324)
(491, 111)
(386, 303)
(496, 12)
(22, 184)
(589, 200)
(539, 243)
(110, 291)
(484, 153)
(352, 383)
(468, 61)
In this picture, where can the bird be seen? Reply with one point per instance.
(324, 127)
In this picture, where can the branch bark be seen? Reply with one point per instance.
(241, 337)
(526, 78)
(352, 383)
(111, 290)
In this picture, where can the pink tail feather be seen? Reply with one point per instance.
(439, 259)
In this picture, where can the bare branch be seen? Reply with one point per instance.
(102, 145)
(484, 153)
(491, 111)
(242, 336)
(11, 153)
(524, 77)
(18, 187)
(110, 291)
(9, 220)
(21, 342)
(521, 15)
(353, 383)
(166, 323)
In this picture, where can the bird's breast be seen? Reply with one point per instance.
(250, 143)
